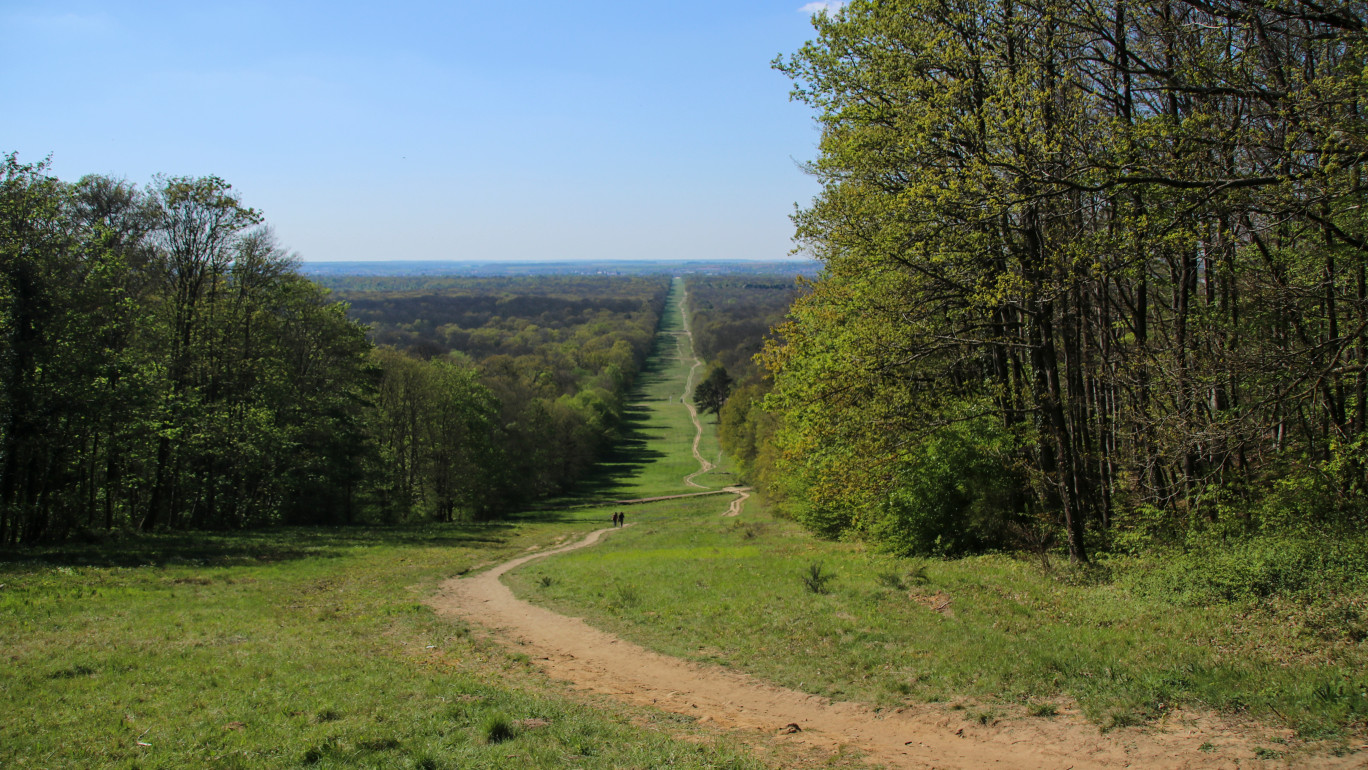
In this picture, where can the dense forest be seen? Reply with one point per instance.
(164, 365)
(554, 357)
(1094, 275)
(732, 314)
(731, 317)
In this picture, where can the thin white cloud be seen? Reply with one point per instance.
(829, 7)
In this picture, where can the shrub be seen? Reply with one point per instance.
(951, 496)
(1256, 567)
(815, 580)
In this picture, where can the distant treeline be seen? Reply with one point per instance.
(556, 356)
(513, 316)
(400, 275)
(164, 365)
(731, 315)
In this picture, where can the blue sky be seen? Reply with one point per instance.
(426, 130)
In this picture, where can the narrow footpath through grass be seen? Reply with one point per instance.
(994, 636)
(315, 647)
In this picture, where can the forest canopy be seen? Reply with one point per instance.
(163, 364)
(1093, 270)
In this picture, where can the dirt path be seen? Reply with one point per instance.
(703, 464)
(743, 492)
(921, 737)
(924, 737)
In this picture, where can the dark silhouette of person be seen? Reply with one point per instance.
(622, 518)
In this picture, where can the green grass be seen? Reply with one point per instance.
(314, 648)
(291, 648)
(656, 453)
(992, 629)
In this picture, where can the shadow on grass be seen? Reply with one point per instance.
(220, 549)
(632, 453)
(624, 462)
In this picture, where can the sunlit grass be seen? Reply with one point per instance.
(318, 650)
(658, 454)
(992, 629)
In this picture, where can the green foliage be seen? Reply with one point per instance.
(436, 431)
(163, 365)
(1215, 569)
(731, 315)
(712, 392)
(951, 495)
(1021, 212)
(746, 431)
(559, 353)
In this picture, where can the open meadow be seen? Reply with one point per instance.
(290, 648)
(318, 646)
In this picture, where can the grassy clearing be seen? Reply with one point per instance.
(991, 633)
(656, 451)
(292, 648)
(314, 648)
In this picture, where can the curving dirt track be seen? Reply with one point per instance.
(704, 465)
(924, 737)
(927, 736)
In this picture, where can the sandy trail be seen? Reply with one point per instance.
(925, 736)
(744, 493)
(921, 737)
(703, 464)
(741, 494)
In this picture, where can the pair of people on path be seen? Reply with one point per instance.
(619, 518)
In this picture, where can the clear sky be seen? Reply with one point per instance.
(496, 130)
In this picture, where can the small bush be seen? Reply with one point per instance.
(815, 580)
(916, 574)
(948, 495)
(625, 596)
(1255, 568)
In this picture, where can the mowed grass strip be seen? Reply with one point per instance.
(656, 450)
(293, 648)
(994, 634)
